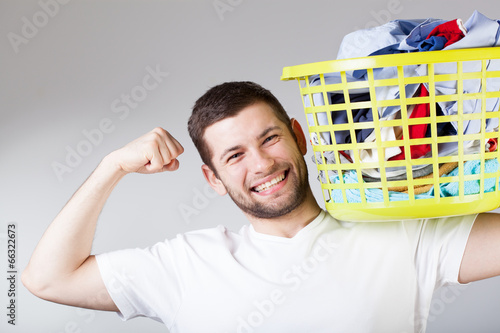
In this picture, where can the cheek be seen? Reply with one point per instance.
(289, 152)
(235, 175)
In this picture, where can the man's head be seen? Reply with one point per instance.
(227, 100)
(252, 150)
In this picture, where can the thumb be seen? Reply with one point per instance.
(172, 166)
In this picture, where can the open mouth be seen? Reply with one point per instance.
(270, 184)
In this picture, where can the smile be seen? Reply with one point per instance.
(268, 185)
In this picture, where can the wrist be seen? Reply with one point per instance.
(111, 167)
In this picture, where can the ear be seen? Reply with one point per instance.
(299, 134)
(212, 180)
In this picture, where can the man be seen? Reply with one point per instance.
(293, 269)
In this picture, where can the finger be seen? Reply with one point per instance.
(161, 149)
(164, 152)
(155, 158)
(160, 138)
(169, 147)
(166, 155)
(174, 147)
(172, 166)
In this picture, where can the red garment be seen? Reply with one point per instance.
(417, 131)
(453, 31)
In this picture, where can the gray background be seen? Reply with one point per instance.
(65, 78)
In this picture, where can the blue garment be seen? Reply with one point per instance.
(470, 186)
(393, 37)
(481, 32)
(358, 115)
(443, 128)
(372, 194)
(362, 43)
(419, 34)
(382, 93)
(498, 34)
(406, 35)
(445, 189)
(340, 117)
(433, 43)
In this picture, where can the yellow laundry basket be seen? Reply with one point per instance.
(352, 200)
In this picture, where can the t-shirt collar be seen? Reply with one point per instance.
(307, 229)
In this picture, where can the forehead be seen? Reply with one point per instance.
(246, 126)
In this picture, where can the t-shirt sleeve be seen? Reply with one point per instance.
(143, 282)
(440, 246)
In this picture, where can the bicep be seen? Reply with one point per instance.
(481, 257)
(83, 288)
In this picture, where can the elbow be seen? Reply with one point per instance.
(27, 280)
(35, 285)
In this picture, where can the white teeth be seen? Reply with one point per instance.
(267, 185)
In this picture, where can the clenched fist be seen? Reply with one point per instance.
(156, 151)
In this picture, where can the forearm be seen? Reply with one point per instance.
(67, 242)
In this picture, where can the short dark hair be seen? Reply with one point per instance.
(224, 101)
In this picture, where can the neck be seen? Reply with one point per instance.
(290, 224)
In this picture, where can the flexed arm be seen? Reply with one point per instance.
(61, 268)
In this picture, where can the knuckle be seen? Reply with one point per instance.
(180, 150)
(156, 134)
(159, 130)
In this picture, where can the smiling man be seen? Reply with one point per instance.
(293, 268)
(258, 160)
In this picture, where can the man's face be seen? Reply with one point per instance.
(258, 162)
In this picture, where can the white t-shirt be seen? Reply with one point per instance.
(330, 277)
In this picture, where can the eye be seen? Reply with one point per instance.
(234, 156)
(270, 138)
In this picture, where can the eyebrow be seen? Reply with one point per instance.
(267, 130)
(260, 136)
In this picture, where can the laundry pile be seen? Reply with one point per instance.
(408, 36)
(448, 189)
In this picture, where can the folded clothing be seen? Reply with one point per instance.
(443, 169)
(470, 186)
(449, 189)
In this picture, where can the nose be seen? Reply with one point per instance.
(262, 161)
